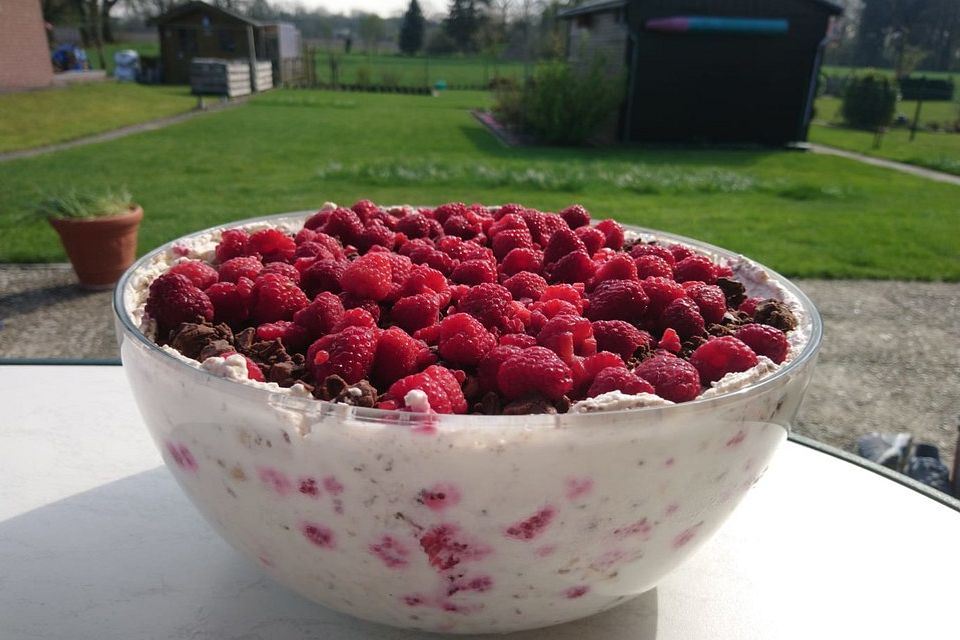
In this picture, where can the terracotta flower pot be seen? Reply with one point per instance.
(100, 249)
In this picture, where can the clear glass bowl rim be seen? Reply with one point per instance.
(380, 416)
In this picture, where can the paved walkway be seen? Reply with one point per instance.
(212, 106)
(929, 174)
(888, 362)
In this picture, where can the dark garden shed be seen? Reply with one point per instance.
(701, 71)
(199, 30)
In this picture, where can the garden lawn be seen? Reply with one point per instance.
(143, 48)
(932, 149)
(419, 71)
(37, 118)
(802, 214)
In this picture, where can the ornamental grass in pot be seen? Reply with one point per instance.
(98, 231)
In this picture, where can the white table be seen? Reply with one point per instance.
(97, 542)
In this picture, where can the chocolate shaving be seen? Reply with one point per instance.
(776, 314)
(191, 338)
(214, 349)
(690, 345)
(528, 405)
(472, 390)
(489, 405)
(335, 389)
(733, 291)
(245, 339)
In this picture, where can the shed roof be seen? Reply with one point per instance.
(597, 6)
(195, 5)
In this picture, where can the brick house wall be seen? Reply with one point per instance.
(24, 55)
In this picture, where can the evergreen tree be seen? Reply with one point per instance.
(412, 28)
(464, 21)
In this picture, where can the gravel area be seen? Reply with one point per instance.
(888, 362)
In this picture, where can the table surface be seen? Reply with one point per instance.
(97, 542)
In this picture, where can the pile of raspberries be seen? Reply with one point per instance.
(495, 310)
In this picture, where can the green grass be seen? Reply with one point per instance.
(802, 214)
(934, 150)
(36, 118)
(833, 70)
(417, 71)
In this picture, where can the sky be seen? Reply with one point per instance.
(385, 8)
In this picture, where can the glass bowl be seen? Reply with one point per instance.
(458, 523)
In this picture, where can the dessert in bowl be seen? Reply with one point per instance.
(429, 441)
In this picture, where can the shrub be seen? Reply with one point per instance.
(390, 79)
(562, 104)
(441, 43)
(869, 102)
(363, 76)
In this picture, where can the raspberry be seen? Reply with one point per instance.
(433, 258)
(620, 337)
(304, 235)
(319, 317)
(272, 244)
(369, 276)
(322, 275)
(414, 225)
(415, 312)
(510, 239)
(683, 315)
(463, 340)
(293, 336)
(710, 300)
(312, 249)
(617, 379)
(661, 292)
(592, 238)
(520, 259)
(521, 340)
(749, 306)
(231, 300)
(568, 335)
(400, 270)
(491, 305)
(355, 317)
(234, 268)
(507, 222)
(464, 250)
(465, 227)
(329, 243)
(550, 224)
(613, 231)
(575, 216)
(399, 355)
(586, 370)
(670, 341)
(573, 267)
(424, 280)
(317, 220)
(233, 243)
(281, 269)
(673, 378)
(560, 244)
(618, 300)
(253, 371)
(489, 365)
(540, 312)
(439, 383)
(565, 292)
(658, 250)
(344, 225)
(537, 224)
(446, 211)
(348, 354)
(506, 209)
(276, 298)
(525, 285)
(619, 267)
(680, 252)
(652, 266)
(174, 299)
(696, 268)
(536, 370)
(350, 301)
(198, 272)
(764, 340)
(720, 356)
(474, 272)
(365, 209)
(376, 234)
